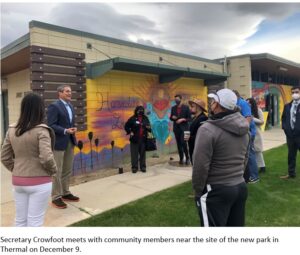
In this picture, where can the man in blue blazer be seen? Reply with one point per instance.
(61, 119)
(290, 121)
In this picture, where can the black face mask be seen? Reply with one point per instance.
(211, 110)
(140, 112)
(177, 102)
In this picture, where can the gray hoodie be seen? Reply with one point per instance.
(221, 152)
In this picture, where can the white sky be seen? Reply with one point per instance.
(209, 30)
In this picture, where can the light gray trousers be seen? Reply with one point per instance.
(64, 162)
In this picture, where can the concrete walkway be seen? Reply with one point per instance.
(103, 194)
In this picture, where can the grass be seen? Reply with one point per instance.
(271, 202)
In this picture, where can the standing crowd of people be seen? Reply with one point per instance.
(224, 148)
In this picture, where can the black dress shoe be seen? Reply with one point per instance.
(180, 162)
(134, 170)
(59, 203)
(143, 170)
(70, 198)
(285, 177)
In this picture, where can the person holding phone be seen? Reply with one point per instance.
(61, 119)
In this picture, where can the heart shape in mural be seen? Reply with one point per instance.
(161, 104)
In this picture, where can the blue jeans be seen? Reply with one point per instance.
(252, 164)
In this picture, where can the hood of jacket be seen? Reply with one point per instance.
(233, 123)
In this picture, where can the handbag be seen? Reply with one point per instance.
(150, 142)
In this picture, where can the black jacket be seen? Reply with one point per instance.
(133, 125)
(196, 123)
(286, 121)
(185, 113)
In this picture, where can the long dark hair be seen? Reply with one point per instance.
(32, 113)
(253, 105)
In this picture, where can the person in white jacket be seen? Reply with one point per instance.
(258, 118)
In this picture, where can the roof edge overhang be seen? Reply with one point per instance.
(263, 56)
(15, 46)
(271, 57)
(16, 55)
(166, 73)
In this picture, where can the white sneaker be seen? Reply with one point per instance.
(252, 181)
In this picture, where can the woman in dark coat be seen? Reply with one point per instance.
(197, 107)
(137, 126)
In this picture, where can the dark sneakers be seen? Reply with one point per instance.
(59, 203)
(70, 198)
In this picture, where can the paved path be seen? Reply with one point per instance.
(103, 194)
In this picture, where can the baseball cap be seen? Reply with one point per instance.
(225, 97)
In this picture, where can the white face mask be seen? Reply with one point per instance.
(296, 96)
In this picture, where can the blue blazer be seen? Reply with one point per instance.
(58, 119)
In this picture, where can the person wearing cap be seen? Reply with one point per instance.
(220, 156)
(181, 115)
(197, 108)
(251, 171)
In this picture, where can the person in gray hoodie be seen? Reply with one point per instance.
(220, 157)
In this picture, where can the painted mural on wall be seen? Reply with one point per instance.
(261, 90)
(111, 100)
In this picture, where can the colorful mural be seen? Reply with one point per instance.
(111, 100)
(260, 91)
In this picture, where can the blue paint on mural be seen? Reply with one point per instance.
(160, 126)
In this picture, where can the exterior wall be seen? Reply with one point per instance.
(111, 100)
(260, 91)
(18, 83)
(64, 41)
(239, 70)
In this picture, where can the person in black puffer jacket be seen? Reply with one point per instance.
(137, 126)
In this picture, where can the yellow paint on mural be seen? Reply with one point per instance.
(285, 97)
(168, 140)
(263, 126)
(111, 100)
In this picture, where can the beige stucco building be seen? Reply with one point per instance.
(109, 77)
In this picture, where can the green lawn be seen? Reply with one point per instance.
(271, 202)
